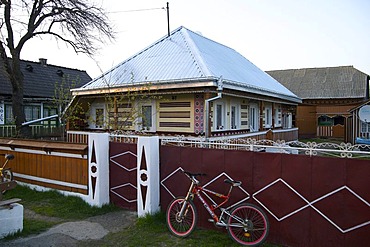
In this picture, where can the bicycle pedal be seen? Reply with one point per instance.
(211, 220)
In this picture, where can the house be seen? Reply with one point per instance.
(360, 128)
(40, 82)
(193, 86)
(328, 94)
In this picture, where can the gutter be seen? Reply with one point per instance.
(219, 96)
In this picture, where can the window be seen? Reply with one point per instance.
(234, 116)
(253, 117)
(9, 119)
(32, 112)
(147, 116)
(220, 116)
(50, 111)
(278, 116)
(2, 113)
(98, 116)
(268, 116)
(325, 121)
(365, 127)
(287, 120)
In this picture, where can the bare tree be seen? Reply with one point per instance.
(79, 23)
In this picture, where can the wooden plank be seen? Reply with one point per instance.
(8, 203)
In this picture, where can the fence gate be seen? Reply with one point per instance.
(123, 174)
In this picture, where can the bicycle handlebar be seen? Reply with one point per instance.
(194, 174)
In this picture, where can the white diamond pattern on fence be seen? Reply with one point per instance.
(311, 204)
(115, 190)
(205, 186)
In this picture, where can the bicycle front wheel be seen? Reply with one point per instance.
(181, 225)
(7, 175)
(248, 225)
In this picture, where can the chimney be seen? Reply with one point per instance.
(43, 61)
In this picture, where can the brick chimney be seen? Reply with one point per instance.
(43, 61)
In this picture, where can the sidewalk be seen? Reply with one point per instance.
(71, 233)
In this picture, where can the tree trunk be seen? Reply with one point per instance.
(14, 73)
(16, 79)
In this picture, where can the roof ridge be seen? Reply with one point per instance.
(132, 57)
(49, 64)
(195, 53)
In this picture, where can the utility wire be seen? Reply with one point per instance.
(134, 10)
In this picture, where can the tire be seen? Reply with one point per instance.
(185, 226)
(6, 177)
(254, 228)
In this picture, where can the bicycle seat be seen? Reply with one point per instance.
(232, 182)
(9, 156)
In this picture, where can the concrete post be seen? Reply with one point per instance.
(148, 175)
(98, 169)
(11, 219)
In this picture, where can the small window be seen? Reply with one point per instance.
(325, 121)
(268, 117)
(147, 119)
(220, 122)
(234, 117)
(253, 117)
(99, 118)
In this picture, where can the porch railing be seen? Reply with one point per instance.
(37, 131)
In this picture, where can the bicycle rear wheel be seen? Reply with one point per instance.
(181, 226)
(248, 225)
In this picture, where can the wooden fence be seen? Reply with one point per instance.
(61, 166)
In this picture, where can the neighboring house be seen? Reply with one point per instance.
(361, 124)
(328, 95)
(40, 82)
(201, 87)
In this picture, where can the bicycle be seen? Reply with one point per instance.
(246, 223)
(6, 174)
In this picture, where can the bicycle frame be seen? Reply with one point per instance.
(7, 158)
(195, 189)
(246, 223)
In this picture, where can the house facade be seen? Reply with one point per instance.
(187, 84)
(360, 128)
(328, 94)
(40, 84)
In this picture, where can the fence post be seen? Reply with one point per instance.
(98, 169)
(148, 175)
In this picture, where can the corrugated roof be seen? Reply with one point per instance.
(40, 80)
(186, 55)
(324, 83)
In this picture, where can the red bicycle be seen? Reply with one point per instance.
(246, 223)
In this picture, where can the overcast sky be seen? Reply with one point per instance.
(272, 34)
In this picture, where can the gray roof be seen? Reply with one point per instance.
(40, 80)
(186, 56)
(324, 83)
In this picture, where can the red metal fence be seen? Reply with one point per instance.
(311, 201)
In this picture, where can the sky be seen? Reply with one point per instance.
(272, 34)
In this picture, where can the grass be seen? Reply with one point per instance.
(147, 231)
(51, 204)
(152, 231)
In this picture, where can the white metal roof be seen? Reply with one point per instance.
(189, 56)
